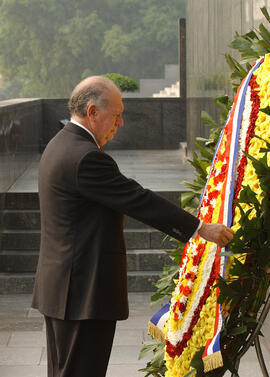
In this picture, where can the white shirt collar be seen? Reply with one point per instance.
(80, 125)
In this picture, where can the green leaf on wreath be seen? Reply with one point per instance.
(225, 100)
(262, 170)
(238, 330)
(240, 207)
(226, 254)
(204, 151)
(197, 362)
(196, 186)
(265, 45)
(147, 348)
(259, 49)
(208, 120)
(248, 196)
(261, 138)
(265, 13)
(229, 365)
(158, 359)
(265, 110)
(241, 44)
(250, 319)
(264, 33)
(186, 197)
(238, 268)
(251, 35)
(191, 373)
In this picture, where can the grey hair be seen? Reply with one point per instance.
(96, 92)
(80, 100)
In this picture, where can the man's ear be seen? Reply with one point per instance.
(92, 111)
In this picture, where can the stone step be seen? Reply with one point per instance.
(137, 260)
(143, 281)
(18, 261)
(135, 239)
(29, 219)
(11, 283)
(20, 241)
(23, 283)
(147, 260)
(29, 200)
(21, 200)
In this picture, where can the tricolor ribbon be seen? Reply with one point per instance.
(157, 323)
(212, 356)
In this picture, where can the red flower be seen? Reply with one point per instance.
(182, 307)
(196, 260)
(207, 218)
(191, 276)
(201, 248)
(213, 195)
(224, 169)
(179, 349)
(187, 336)
(218, 178)
(186, 290)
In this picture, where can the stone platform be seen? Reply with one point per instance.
(158, 170)
(23, 344)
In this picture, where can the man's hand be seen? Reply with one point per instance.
(218, 233)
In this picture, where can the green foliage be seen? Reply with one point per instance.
(212, 82)
(197, 362)
(165, 285)
(266, 110)
(50, 45)
(251, 46)
(206, 148)
(156, 367)
(123, 82)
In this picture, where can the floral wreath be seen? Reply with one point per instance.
(237, 195)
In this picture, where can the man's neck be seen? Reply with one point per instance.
(80, 122)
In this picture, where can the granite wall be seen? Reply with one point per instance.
(211, 25)
(150, 123)
(27, 125)
(54, 110)
(20, 126)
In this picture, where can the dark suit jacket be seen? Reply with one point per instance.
(81, 271)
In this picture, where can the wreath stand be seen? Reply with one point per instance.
(254, 339)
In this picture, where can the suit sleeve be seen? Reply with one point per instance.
(99, 180)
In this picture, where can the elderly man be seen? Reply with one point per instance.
(81, 281)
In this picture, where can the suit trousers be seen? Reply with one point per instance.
(78, 348)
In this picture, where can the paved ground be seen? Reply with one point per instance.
(22, 338)
(160, 170)
(23, 350)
